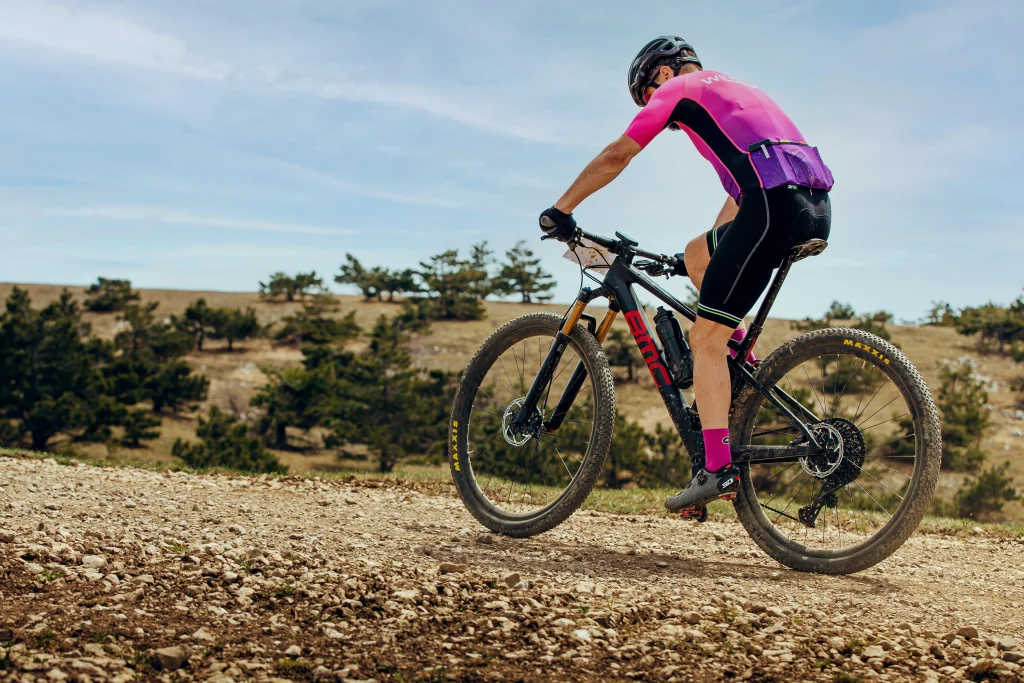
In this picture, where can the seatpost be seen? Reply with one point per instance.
(757, 326)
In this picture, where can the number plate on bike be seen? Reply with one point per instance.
(590, 255)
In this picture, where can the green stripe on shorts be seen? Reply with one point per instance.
(719, 314)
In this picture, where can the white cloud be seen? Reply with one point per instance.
(103, 37)
(173, 217)
(121, 41)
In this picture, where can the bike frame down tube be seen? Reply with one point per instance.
(619, 282)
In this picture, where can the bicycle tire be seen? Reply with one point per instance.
(460, 457)
(870, 348)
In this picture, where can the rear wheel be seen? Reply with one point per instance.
(525, 483)
(869, 408)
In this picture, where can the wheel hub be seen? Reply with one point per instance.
(518, 437)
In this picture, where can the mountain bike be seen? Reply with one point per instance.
(835, 433)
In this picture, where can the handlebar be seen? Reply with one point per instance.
(622, 248)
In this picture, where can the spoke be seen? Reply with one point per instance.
(889, 442)
(856, 413)
(586, 444)
(786, 487)
(889, 403)
(515, 358)
(487, 411)
(856, 507)
(871, 497)
(854, 420)
(571, 476)
(884, 421)
(502, 385)
(823, 411)
(793, 499)
(803, 366)
(882, 483)
(510, 382)
(500, 407)
(879, 462)
(835, 408)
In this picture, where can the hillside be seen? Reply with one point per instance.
(128, 574)
(235, 377)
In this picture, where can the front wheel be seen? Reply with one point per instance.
(524, 482)
(852, 506)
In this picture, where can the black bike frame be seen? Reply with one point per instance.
(618, 287)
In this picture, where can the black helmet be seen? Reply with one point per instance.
(660, 50)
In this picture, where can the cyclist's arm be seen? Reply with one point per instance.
(651, 120)
(728, 212)
(605, 167)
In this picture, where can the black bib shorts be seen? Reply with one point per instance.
(746, 250)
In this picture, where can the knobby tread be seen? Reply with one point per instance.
(926, 467)
(593, 357)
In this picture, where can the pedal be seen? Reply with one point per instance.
(729, 497)
(698, 513)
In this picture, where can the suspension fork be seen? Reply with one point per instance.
(579, 374)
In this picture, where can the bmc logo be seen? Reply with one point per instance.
(647, 348)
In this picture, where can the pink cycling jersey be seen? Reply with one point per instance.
(724, 118)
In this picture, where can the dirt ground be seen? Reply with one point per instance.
(122, 574)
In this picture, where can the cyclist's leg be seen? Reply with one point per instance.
(697, 256)
(742, 255)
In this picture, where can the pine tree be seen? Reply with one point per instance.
(523, 275)
(51, 374)
(452, 284)
(234, 324)
(314, 324)
(372, 283)
(196, 321)
(108, 295)
(299, 286)
(149, 366)
(962, 399)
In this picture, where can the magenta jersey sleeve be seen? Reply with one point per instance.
(653, 118)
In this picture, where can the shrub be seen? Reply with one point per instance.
(139, 426)
(981, 496)
(961, 400)
(997, 326)
(621, 351)
(226, 442)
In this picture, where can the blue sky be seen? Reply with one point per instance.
(201, 145)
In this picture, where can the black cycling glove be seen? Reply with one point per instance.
(561, 226)
(680, 266)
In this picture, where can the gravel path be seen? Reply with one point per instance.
(120, 574)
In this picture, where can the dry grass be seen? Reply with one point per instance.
(235, 377)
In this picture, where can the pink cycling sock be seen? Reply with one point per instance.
(739, 334)
(716, 449)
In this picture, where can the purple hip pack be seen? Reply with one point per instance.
(784, 162)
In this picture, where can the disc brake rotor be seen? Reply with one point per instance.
(514, 437)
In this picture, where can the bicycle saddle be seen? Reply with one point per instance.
(802, 250)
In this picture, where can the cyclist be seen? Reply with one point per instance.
(778, 196)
